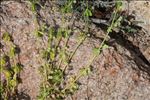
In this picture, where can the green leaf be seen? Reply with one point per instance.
(8, 73)
(17, 68)
(68, 6)
(73, 88)
(66, 33)
(52, 55)
(13, 82)
(2, 61)
(96, 51)
(57, 76)
(6, 37)
(119, 5)
(39, 33)
(118, 22)
(85, 71)
(12, 51)
(105, 46)
(87, 13)
(109, 29)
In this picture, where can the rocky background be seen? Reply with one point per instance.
(121, 72)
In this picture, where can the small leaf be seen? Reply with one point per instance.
(8, 73)
(87, 13)
(6, 37)
(118, 22)
(39, 33)
(66, 33)
(73, 88)
(12, 52)
(105, 46)
(109, 29)
(52, 55)
(13, 82)
(96, 51)
(17, 68)
(2, 61)
(85, 71)
(57, 76)
(90, 13)
(119, 5)
(68, 6)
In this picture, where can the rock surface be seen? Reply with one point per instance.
(119, 72)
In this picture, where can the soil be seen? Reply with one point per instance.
(120, 72)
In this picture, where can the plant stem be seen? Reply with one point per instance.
(71, 56)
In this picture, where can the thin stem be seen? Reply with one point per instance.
(71, 56)
(108, 31)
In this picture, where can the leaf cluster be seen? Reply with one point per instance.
(10, 68)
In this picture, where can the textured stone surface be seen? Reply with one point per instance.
(116, 74)
(141, 9)
(17, 19)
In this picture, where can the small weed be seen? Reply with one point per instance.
(58, 57)
(57, 60)
(56, 84)
(10, 69)
(68, 6)
(55, 56)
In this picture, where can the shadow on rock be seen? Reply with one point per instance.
(23, 96)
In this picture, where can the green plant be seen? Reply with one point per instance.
(114, 24)
(68, 6)
(72, 84)
(57, 57)
(10, 70)
(52, 69)
(57, 60)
